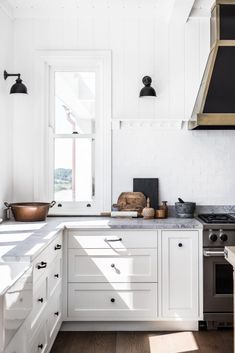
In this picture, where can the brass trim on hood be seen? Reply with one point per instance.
(199, 118)
(224, 119)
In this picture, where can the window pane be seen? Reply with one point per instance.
(74, 170)
(75, 102)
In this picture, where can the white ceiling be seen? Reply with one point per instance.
(27, 8)
(39, 4)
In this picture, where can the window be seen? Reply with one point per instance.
(74, 137)
(78, 169)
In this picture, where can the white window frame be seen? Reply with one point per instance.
(46, 63)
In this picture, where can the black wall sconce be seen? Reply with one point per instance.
(147, 90)
(18, 87)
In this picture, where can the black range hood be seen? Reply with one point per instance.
(215, 104)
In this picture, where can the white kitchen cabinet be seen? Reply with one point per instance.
(180, 274)
(109, 265)
(112, 301)
(112, 275)
(45, 318)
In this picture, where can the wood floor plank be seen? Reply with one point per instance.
(85, 342)
(132, 342)
(220, 341)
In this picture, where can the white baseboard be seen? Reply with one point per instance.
(130, 326)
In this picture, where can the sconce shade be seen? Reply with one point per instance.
(18, 87)
(147, 90)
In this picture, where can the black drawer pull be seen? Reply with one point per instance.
(40, 300)
(56, 275)
(112, 300)
(57, 247)
(180, 245)
(113, 265)
(40, 346)
(57, 313)
(111, 240)
(42, 265)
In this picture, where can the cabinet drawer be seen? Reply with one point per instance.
(109, 265)
(54, 315)
(54, 276)
(116, 239)
(39, 303)
(39, 342)
(44, 260)
(112, 301)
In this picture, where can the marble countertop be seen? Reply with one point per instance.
(229, 253)
(21, 243)
(10, 272)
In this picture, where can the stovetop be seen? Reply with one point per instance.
(217, 218)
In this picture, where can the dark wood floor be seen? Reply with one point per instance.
(220, 341)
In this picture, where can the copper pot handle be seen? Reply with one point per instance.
(52, 203)
(8, 205)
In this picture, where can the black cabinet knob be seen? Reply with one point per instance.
(180, 245)
(42, 265)
(213, 237)
(57, 247)
(223, 237)
(56, 275)
(56, 313)
(112, 265)
(40, 346)
(40, 300)
(112, 300)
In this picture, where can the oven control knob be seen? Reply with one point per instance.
(213, 237)
(223, 237)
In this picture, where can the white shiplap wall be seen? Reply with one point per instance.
(141, 43)
(6, 63)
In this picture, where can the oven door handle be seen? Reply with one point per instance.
(213, 253)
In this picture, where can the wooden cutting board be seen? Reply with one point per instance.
(131, 201)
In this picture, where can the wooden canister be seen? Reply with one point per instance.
(160, 213)
(148, 212)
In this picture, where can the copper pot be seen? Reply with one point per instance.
(30, 211)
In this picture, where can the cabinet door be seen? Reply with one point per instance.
(180, 271)
(17, 344)
(39, 342)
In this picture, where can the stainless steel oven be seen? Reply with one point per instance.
(218, 232)
(218, 286)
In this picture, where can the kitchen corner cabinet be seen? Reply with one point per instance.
(180, 274)
(115, 276)
(38, 332)
(135, 275)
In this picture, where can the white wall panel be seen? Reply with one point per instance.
(194, 165)
(6, 103)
